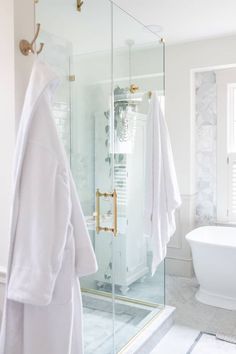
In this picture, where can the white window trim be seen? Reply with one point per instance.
(225, 79)
(230, 114)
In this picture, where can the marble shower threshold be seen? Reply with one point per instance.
(131, 319)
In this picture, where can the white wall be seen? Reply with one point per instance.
(180, 60)
(6, 119)
(16, 19)
(24, 29)
(180, 114)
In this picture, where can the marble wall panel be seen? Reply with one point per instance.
(206, 127)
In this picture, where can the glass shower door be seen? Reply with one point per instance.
(110, 99)
(138, 71)
(92, 164)
(92, 167)
(108, 65)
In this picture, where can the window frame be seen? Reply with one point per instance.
(226, 84)
(231, 101)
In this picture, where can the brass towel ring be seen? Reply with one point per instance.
(26, 47)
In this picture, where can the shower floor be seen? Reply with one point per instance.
(98, 322)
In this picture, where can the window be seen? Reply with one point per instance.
(231, 150)
(231, 117)
(226, 145)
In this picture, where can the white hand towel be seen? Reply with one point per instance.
(162, 195)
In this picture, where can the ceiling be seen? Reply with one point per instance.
(185, 20)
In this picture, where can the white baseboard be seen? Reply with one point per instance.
(179, 267)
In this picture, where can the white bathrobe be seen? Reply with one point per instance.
(162, 195)
(50, 245)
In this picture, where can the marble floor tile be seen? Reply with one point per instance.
(177, 341)
(180, 293)
(209, 344)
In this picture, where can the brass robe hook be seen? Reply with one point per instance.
(26, 47)
(79, 4)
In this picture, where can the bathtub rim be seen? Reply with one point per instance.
(189, 237)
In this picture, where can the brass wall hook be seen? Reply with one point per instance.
(79, 5)
(26, 47)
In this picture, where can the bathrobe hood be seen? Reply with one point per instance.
(50, 247)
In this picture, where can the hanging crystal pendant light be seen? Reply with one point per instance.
(125, 107)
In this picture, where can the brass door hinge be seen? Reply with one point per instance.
(71, 77)
(79, 5)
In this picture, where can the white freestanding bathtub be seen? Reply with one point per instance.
(214, 260)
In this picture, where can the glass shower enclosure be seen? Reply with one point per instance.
(109, 64)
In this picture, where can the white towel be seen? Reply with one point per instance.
(162, 195)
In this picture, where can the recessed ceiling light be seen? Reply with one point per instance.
(155, 28)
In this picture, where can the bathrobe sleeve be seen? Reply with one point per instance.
(41, 227)
(85, 260)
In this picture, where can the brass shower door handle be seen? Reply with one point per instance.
(115, 211)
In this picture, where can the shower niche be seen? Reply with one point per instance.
(108, 63)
